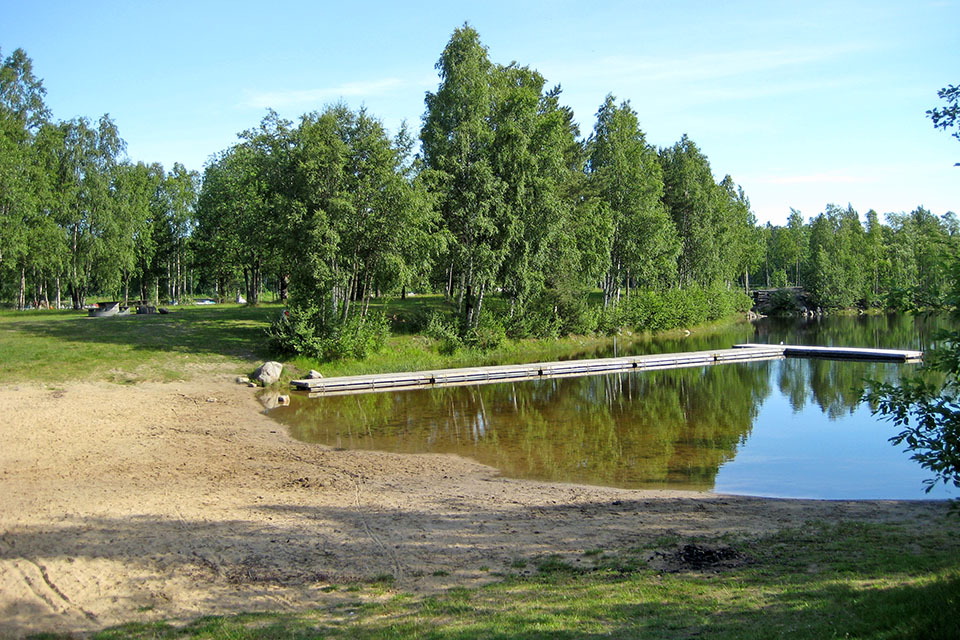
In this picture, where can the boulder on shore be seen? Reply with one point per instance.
(268, 372)
(314, 375)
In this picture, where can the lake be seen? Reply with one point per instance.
(781, 428)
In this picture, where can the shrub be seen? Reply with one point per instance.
(487, 335)
(357, 337)
(444, 333)
(295, 332)
(663, 310)
(302, 331)
(783, 302)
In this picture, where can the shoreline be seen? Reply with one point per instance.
(168, 501)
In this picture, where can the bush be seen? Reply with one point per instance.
(444, 333)
(357, 337)
(295, 332)
(302, 331)
(663, 310)
(783, 302)
(487, 335)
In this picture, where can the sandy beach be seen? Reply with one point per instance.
(170, 501)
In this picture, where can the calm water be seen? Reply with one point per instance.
(790, 428)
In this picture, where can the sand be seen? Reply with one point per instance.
(172, 501)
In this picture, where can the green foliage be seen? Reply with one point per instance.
(708, 217)
(929, 415)
(628, 184)
(783, 302)
(508, 206)
(487, 335)
(674, 308)
(303, 331)
(444, 332)
(927, 408)
(842, 261)
(946, 117)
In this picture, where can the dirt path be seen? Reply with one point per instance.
(135, 503)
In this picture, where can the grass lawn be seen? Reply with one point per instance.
(824, 581)
(59, 346)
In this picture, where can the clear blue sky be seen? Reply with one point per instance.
(802, 103)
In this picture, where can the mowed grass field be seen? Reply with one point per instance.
(61, 346)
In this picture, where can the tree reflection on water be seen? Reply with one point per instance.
(671, 428)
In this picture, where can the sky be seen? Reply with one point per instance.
(803, 104)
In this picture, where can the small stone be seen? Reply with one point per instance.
(283, 401)
(211, 399)
(243, 380)
(252, 384)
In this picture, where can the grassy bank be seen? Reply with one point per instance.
(824, 581)
(59, 346)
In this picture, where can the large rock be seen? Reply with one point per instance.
(268, 372)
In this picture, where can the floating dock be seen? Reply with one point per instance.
(841, 353)
(489, 375)
(532, 371)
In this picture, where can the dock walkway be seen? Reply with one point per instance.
(488, 375)
(843, 353)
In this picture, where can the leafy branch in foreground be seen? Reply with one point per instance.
(926, 408)
(929, 415)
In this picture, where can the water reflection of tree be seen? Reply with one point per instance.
(886, 331)
(631, 429)
(834, 386)
(672, 427)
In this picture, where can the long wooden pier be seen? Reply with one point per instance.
(489, 375)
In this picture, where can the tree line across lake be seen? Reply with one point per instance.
(502, 205)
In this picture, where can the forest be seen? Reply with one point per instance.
(527, 226)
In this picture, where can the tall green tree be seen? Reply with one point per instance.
(744, 246)
(22, 181)
(83, 159)
(457, 139)
(836, 262)
(692, 198)
(134, 188)
(628, 183)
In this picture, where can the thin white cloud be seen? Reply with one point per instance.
(813, 178)
(302, 97)
(704, 66)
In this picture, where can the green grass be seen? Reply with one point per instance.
(57, 346)
(60, 346)
(822, 581)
